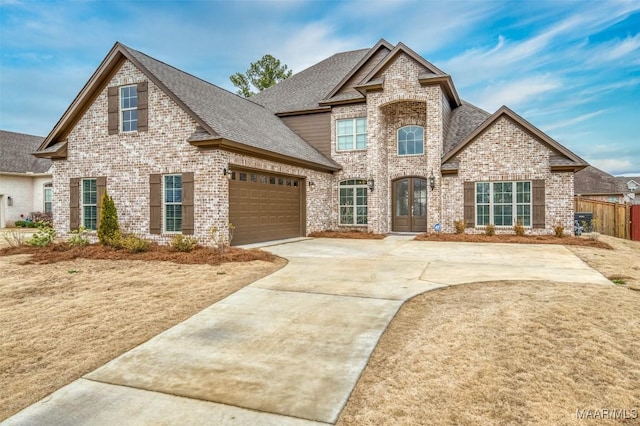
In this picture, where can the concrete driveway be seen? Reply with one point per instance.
(289, 348)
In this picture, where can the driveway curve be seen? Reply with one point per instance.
(289, 348)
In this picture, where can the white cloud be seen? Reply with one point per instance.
(612, 165)
(572, 121)
(515, 93)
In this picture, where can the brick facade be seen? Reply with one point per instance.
(127, 160)
(503, 152)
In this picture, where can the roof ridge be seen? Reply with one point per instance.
(190, 75)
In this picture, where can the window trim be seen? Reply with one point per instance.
(164, 203)
(354, 134)
(398, 141)
(122, 110)
(357, 184)
(514, 204)
(48, 187)
(83, 205)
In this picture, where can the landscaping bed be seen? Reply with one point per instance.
(515, 239)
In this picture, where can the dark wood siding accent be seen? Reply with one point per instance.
(469, 204)
(538, 201)
(101, 188)
(187, 203)
(313, 128)
(155, 204)
(143, 106)
(74, 203)
(112, 109)
(446, 115)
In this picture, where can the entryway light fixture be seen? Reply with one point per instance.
(371, 184)
(311, 184)
(226, 172)
(432, 181)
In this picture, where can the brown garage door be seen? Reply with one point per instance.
(265, 207)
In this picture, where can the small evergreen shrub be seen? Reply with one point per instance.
(79, 237)
(183, 243)
(134, 244)
(108, 228)
(43, 237)
(459, 226)
(26, 224)
(490, 230)
(519, 229)
(559, 231)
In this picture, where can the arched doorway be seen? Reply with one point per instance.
(409, 205)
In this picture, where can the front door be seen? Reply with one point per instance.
(410, 205)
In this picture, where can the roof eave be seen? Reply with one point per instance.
(58, 154)
(344, 101)
(304, 111)
(446, 83)
(240, 148)
(569, 168)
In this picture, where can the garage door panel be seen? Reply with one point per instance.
(265, 207)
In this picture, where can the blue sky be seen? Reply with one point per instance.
(572, 68)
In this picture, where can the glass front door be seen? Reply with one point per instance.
(410, 205)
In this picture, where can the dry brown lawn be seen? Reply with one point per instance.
(508, 353)
(61, 320)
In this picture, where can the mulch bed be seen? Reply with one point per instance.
(60, 252)
(514, 239)
(356, 235)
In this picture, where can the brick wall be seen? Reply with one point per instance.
(505, 152)
(127, 160)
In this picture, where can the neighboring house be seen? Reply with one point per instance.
(25, 181)
(595, 184)
(374, 139)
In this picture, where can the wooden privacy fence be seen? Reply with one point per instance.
(608, 218)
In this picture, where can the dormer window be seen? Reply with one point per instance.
(129, 108)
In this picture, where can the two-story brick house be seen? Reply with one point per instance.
(374, 139)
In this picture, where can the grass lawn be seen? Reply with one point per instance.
(64, 318)
(508, 353)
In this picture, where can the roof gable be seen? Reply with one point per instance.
(563, 160)
(359, 72)
(220, 114)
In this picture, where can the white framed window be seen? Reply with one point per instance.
(351, 134)
(172, 203)
(89, 207)
(503, 203)
(129, 108)
(48, 198)
(353, 202)
(411, 140)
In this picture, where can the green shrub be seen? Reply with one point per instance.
(26, 224)
(43, 237)
(183, 243)
(79, 237)
(108, 229)
(134, 244)
(519, 229)
(459, 226)
(490, 230)
(559, 231)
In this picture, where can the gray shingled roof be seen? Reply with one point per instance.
(15, 153)
(304, 90)
(231, 116)
(591, 180)
(464, 120)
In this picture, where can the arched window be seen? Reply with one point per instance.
(353, 202)
(410, 140)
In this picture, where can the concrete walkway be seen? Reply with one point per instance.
(289, 348)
